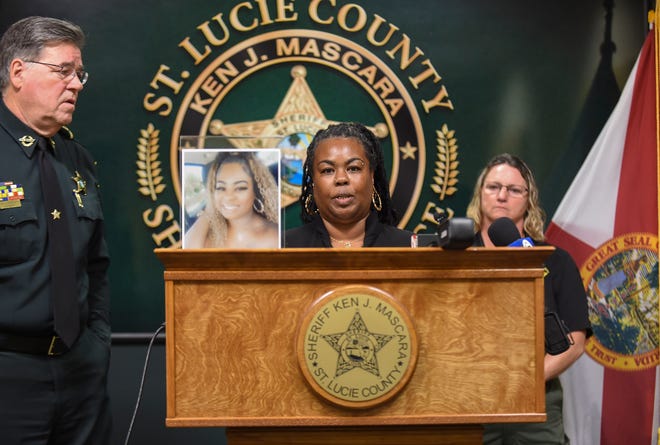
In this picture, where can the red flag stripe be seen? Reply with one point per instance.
(614, 194)
(638, 190)
(626, 396)
(579, 250)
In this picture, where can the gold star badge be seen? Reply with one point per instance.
(56, 214)
(357, 347)
(298, 110)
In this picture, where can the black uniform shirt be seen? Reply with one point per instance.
(563, 289)
(25, 294)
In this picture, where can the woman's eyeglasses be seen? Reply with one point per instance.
(515, 191)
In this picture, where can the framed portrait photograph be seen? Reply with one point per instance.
(230, 198)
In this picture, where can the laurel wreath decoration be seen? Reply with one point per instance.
(446, 167)
(148, 172)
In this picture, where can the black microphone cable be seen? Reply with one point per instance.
(144, 373)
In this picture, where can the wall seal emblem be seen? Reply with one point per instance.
(246, 82)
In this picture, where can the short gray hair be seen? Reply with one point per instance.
(26, 38)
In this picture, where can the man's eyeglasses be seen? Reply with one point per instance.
(515, 191)
(67, 72)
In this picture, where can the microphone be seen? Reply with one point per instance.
(454, 233)
(504, 233)
(451, 234)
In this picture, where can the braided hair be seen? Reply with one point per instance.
(372, 149)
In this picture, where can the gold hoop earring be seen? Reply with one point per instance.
(376, 201)
(308, 205)
(258, 208)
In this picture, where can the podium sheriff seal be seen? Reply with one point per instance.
(357, 347)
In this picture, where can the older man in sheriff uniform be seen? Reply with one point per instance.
(54, 298)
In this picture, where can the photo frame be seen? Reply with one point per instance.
(231, 198)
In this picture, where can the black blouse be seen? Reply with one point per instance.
(377, 234)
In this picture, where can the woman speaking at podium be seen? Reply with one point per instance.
(345, 200)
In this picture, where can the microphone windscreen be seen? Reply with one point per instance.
(503, 231)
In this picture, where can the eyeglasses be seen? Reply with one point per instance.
(67, 72)
(515, 191)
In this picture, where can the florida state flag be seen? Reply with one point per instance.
(608, 221)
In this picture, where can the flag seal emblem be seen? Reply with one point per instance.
(621, 280)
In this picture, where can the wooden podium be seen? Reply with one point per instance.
(232, 327)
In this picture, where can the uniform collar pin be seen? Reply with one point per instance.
(27, 140)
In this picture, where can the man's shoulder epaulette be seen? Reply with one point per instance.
(66, 133)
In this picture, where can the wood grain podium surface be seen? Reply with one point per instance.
(232, 319)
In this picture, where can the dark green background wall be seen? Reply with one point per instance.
(518, 75)
(529, 78)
